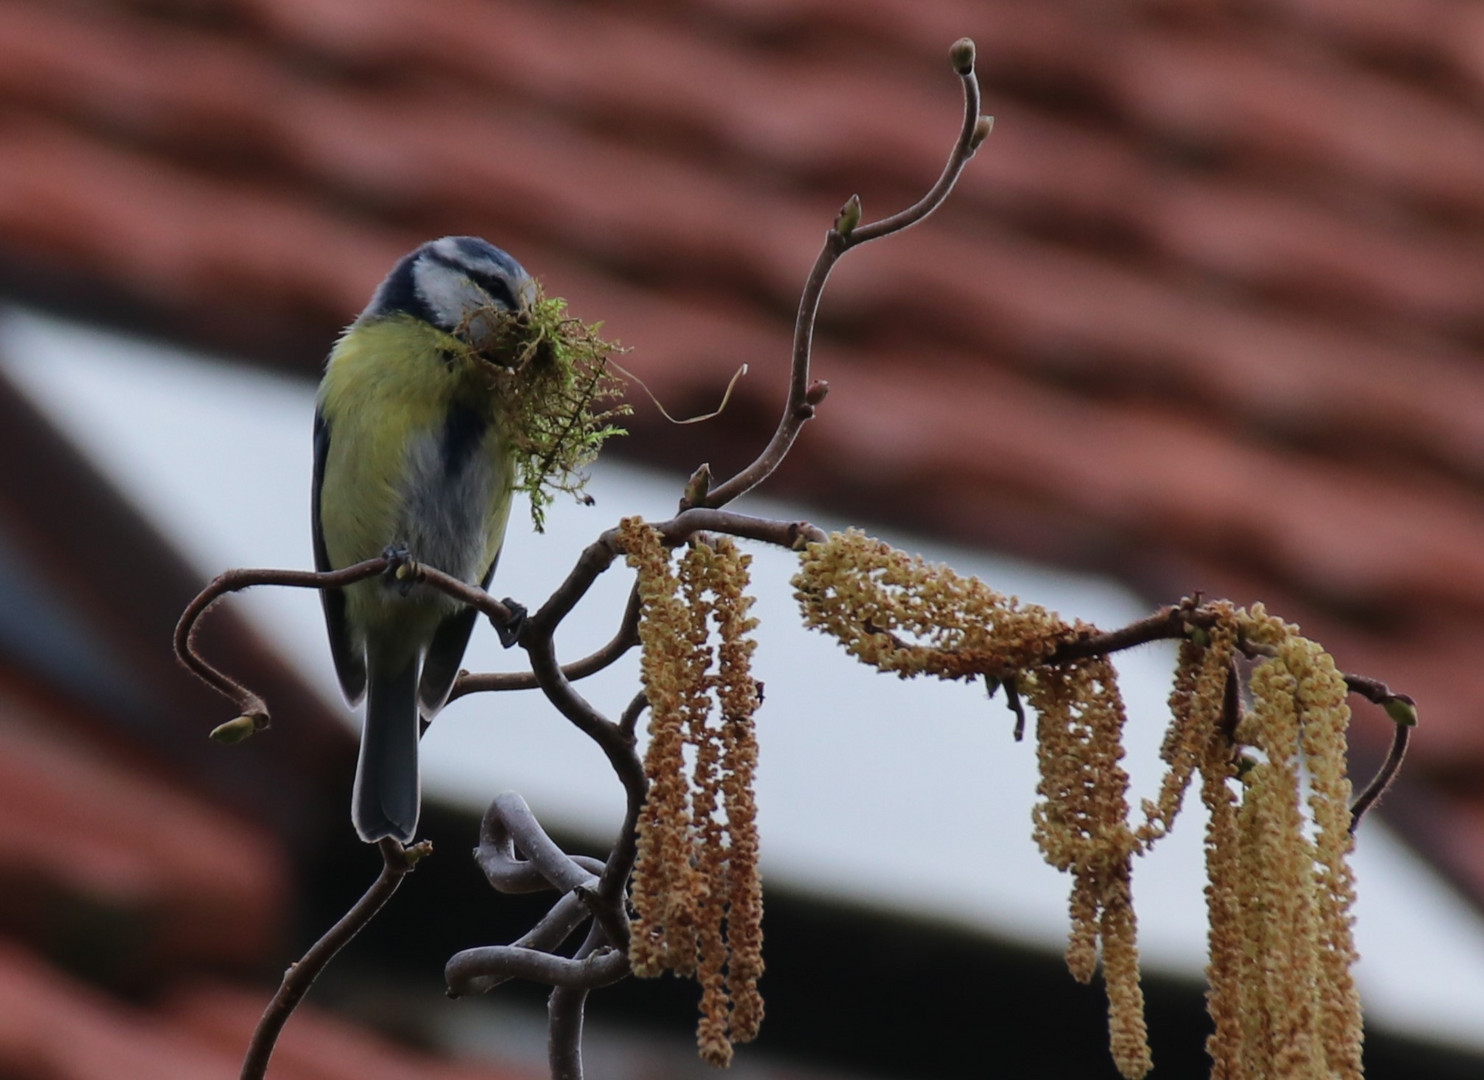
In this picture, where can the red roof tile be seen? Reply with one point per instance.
(1207, 312)
(314, 1045)
(53, 1028)
(85, 837)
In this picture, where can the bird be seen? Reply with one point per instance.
(410, 462)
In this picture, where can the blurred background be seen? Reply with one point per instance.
(1205, 313)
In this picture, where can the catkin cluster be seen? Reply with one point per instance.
(1279, 892)
(902, 614)
(697, 893)
(1081, 826)
(1282, 994)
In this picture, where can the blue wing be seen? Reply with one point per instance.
(446, 652)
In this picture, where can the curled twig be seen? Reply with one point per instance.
(508, 824)
(628, 722)
(1371, 795)
(248, 703)
(564, 1018)
(476, 971)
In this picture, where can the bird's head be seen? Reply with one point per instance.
(448, 282)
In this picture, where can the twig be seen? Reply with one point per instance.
(804, 395)
(479, 970)
(628, 721)
(248, 703)
(397, 862)
(600, 554)
(564, 1010)
(626, 637)
(1371, 795)
(508, 824)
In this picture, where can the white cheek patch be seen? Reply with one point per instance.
(450, 296)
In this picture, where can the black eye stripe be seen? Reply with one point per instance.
(497, 285)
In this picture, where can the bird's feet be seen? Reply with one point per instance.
(511, 628)
(401, 570)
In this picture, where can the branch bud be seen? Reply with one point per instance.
(234, 731)
(962, 55)
(417, 853)
(849, 216)
(1402, 710)
(816, 391)
(697, 487)
(982, 127)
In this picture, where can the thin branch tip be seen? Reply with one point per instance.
(962, 55)
(696, 487)
(239, 730)
(848, 217)
(1402, 710)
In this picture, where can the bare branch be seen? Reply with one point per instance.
(509, 824)
(804, 395)
(1371, 795)
(628, 721)
(623, 640)
(495, 610)
(397, 862)
(556, 926)
(248, 703)
(477, 971)
(564, 1019)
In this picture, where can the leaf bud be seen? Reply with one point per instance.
(849, 216)
(234, 731)
(982, 127)
(962, 55)
(1402, 710)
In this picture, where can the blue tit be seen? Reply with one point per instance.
(408, 457)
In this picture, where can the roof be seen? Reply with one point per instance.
(1205, 312)
(197, 1035)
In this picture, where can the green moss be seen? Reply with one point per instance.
(556, 395)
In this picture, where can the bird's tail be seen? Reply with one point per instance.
(387, 795)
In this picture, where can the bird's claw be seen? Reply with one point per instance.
(511, 628)
(400, 568)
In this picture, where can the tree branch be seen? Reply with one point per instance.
(248, 703)
(508, 824)
(1371, 794)
(397, 863)
(804, 395)
(622, 641)
(477, 971)
(564, 1019)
